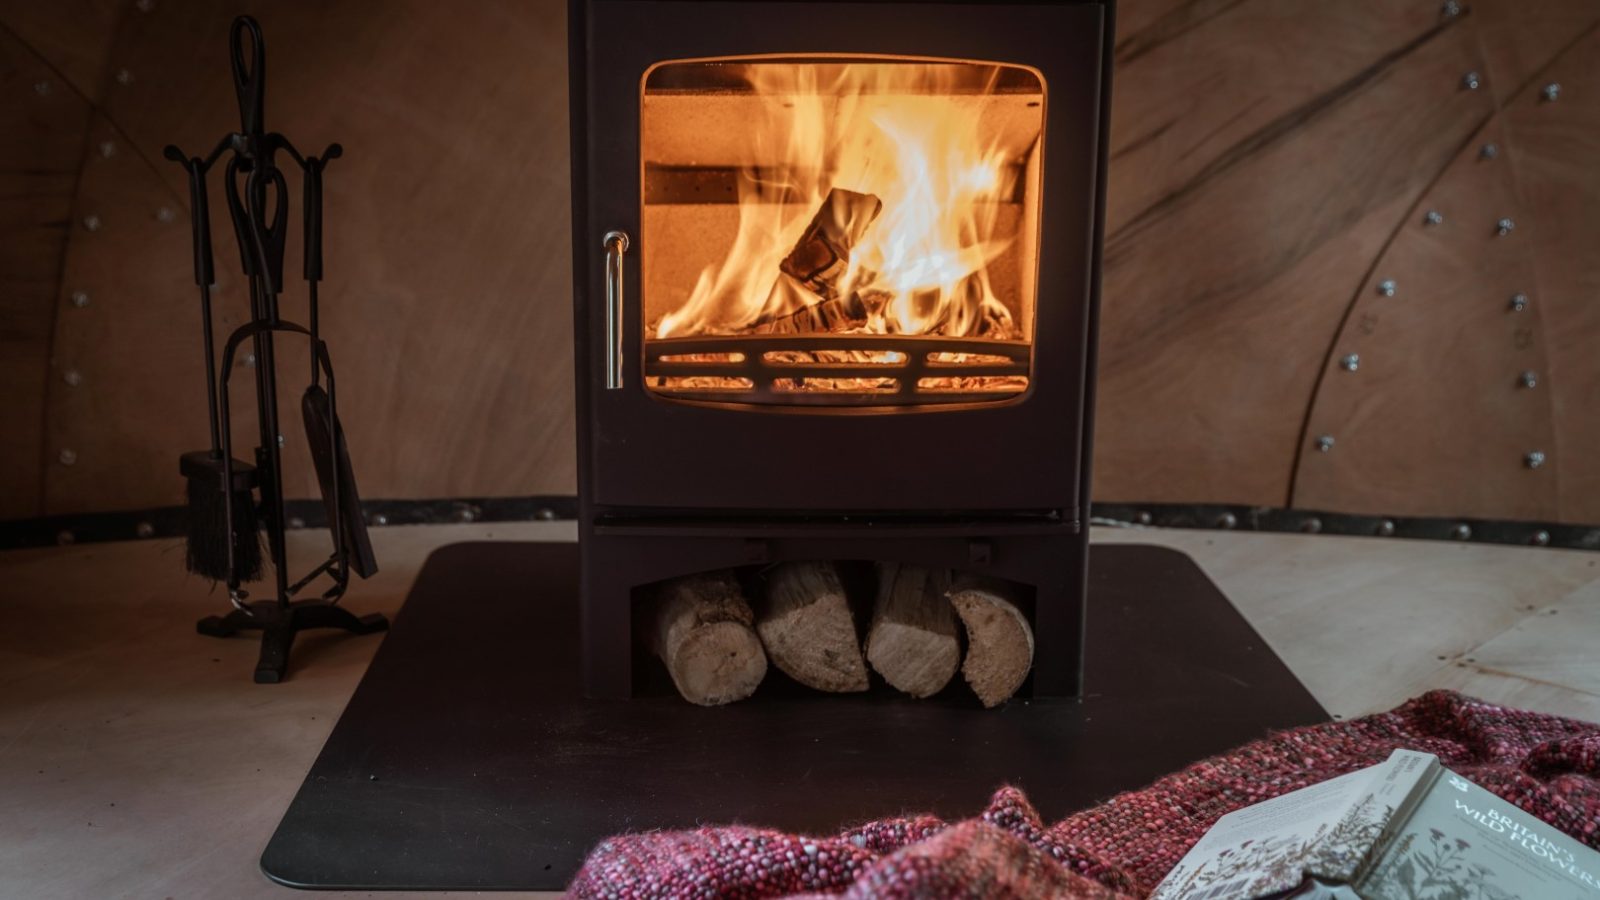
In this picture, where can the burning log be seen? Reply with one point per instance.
(969, 311)
(808, 628)
(822, 255)
(831, 316)
(912, 640)
(994, 322)
(810, 275)
(810, 288)
(703, 634)
(999, 640)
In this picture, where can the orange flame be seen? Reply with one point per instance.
(891, 131)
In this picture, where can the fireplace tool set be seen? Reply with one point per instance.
(228, 497)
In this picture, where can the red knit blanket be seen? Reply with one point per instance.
(1547, 765)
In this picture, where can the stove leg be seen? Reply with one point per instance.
(1058, 621)
(607, 627)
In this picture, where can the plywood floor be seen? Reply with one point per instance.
(137, 759)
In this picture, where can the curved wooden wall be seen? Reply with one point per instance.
(1464, 399)
(447, 295)
(1272, 162)
(44, 122)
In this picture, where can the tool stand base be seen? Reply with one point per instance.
(278, 624)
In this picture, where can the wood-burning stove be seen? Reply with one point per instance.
(836, 272)
(827, 453)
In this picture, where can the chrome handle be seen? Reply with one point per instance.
(616, 244)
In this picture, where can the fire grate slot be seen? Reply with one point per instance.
(838, 370)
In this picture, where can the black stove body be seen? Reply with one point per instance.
(727, 444)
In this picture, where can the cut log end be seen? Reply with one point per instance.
(912, 641)
(999, 641)
(703, 633)
(809, 630)
(719, 663)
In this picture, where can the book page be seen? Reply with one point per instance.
(1394, 790)
(1327, 830)
(1263, 849)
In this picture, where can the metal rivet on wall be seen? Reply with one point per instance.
(91, 222)
(80, 299)
(1227, 521)
(124, 77)
(72, 377)
(1385, 528)
(1450, 9)
(466, 514)
(42, 88)
(380, 519)
(297, 522)
(1471, 81)
(1503, 227)
(1311, 525)
(67, 456)
(165, 214)
(1540, 538)
(1433, 217)
(1529, 379)
(280, 440)
(1387, 287)
(145, 6)
(1533, 459)
(144, 530)
(1519, 302)
(1144, 518)
(545, 514)
(250, 360)
(1461, 532)
(1552, 92)
(108, 149)
(1325, 443)
(1351, 362)
(1489, 151)
(66, 538)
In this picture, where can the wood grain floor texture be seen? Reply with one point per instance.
(137, 759)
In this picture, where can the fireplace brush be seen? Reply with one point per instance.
(211, 528)
(225, 543)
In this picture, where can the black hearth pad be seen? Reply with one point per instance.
(467, 757)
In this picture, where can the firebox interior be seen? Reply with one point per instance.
(839, 231)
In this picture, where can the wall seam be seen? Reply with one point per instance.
(44, 456)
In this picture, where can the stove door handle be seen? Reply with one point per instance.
(616, 244)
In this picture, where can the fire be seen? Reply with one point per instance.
(871, 204)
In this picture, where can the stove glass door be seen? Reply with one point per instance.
(840, 231)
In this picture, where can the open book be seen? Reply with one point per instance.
(1405, 829)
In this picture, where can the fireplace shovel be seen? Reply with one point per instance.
(337, 479)
(329, 453)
